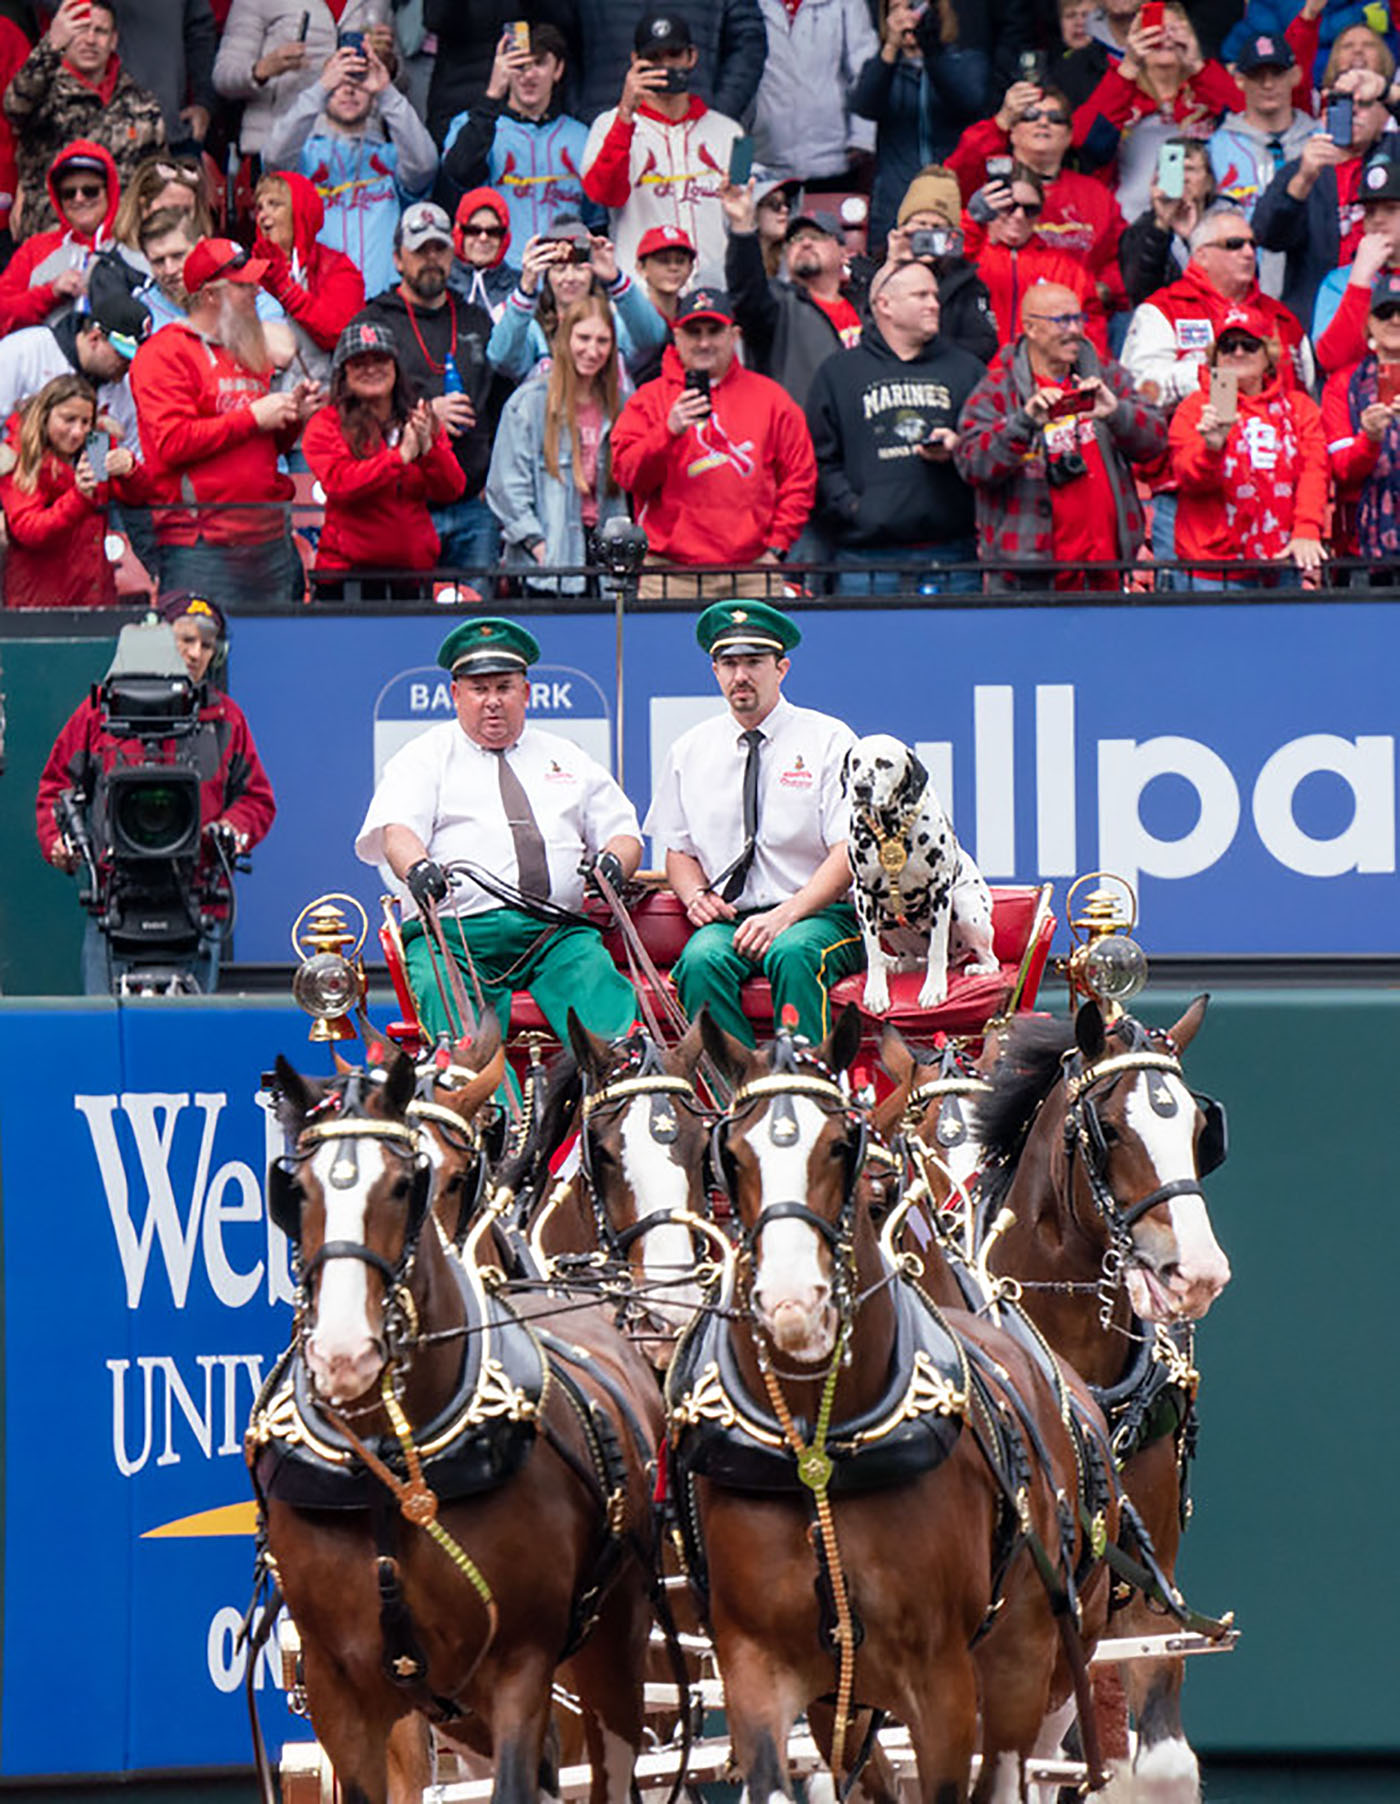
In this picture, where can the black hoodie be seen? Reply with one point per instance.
(869, 411)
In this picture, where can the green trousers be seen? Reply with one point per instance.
(561, 967)
(801, 965)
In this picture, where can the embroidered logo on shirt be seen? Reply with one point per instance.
(1193, 335)
(798, 776)
(557, 774)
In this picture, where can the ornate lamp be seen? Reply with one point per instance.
(1106, 964)
(330, 981)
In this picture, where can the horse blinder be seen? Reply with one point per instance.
(284, 1198)
(1213, 1147)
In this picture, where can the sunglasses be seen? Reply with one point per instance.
(1391, 313)
(1031, 208)
(1230, 244)
(1238, 347)
(83, 191)
(472, 231)
(1034, 115)
(172, 172)
(1065, 321)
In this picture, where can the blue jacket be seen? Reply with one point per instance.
(1307, 232)
(920, 108)
(530, 503)
(517, 341)
(535, 164)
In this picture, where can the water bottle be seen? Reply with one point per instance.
(451, 376)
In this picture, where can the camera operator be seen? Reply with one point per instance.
(236, 801)
(1048, 440)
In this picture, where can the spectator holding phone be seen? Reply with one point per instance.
(717, 458)
(55, 502)
(1082, 60)
(72, 85)
(1312, 209)
(1343, 301)
(1050, 441)
(1156, 248)
(318, 288)
(382, 457)
(49, 271)
(518, 138)
(272, 49)
(1162, 88)
(883, 418)
(1250, 460)
(930, 231)
(1009, 261)
(551, 484)
(557, 270)
(1080, 218)
(1361, 424)
(354, 136)
(662, 131)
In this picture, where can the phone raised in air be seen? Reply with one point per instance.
(1153, 13)
(1225, 396)
(1338, 125)
(303, 28)
(1074, 400)
(95, 449)
(1171, 171)
(740, 161)
(519, 30)
(698, 381)
(999, 168)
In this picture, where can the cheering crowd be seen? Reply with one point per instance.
(943, 297)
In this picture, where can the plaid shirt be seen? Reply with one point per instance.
(1001, 454)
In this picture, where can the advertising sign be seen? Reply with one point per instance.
(146, 1296)
(1236, 762)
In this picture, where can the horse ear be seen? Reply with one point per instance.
(469, 1098)
(296, 1097)
(730, 1055)
(843, 1042)
(1088, 1031)
(689, 1047)
(343, 1067)
(1186, 1029)
(896, 1057)
(398, 1091)
(589, 1050)
(478, 1053)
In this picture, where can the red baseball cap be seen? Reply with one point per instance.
(1249, 322)
(664, 238)
(221, 260)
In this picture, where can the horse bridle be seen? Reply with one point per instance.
(645, 1076)
(794, 1076)
(1084, 1137)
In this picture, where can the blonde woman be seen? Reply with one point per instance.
(550, 484)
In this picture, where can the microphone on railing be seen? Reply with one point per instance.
(622, 546)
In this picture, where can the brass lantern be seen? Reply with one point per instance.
(1106, 964)
(330, 980)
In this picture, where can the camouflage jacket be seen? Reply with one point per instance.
(48, 106)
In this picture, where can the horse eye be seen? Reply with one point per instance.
(1110, 1133)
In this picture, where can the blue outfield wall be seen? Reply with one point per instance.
(145, 1292)
(1239, 761)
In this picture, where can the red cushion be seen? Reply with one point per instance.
(971, 1003)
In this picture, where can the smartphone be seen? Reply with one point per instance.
(1388, 384)
(350, 40)
(1338, 126)
(1225, 395)
(999, 168)
(1076, 400)
(1171, 170)
(96, 450)
(1031, 67)
(698, 381)
(519, 29)
(740, 161)
(677, 82)
(930, 241)
(303, 28)
(1153, 13)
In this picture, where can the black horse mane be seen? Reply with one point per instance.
(1023, 1077)
(554, 1120)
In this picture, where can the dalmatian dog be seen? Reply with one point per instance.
(920, 898)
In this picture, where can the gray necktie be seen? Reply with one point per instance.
(531, 863)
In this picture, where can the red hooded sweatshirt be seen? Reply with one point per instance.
(200, 442)
(56, 556)
(319, 288)
(377, 505)
(23, 302)
(736, 484)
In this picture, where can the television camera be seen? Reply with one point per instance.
(136, 827)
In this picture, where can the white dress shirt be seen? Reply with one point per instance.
(447, 788)
(698, 806)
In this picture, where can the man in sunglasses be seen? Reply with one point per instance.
(49, 270)
(1010, 259)
(481, 238)
(1170, 335)
(1049, 441)
(212, 431)
(1080, 217)
(73, 85)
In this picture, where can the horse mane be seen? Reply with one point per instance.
(554, 1120)
(1021, 1080)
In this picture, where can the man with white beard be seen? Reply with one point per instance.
(212, 432)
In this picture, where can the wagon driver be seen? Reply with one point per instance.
(533, 814)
